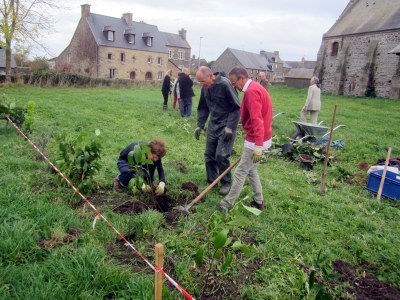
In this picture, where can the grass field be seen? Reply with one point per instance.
(48, 249)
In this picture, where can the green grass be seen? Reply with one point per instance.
(346, 223)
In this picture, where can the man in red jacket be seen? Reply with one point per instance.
(256, 117)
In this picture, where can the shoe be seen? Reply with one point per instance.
(221, 207)
(224, 190)
(256, 205)
(117, 185)
(165, 108)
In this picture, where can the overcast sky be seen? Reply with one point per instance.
(293, 27)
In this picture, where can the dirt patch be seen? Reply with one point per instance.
(190, 186)
(363, 165)
(357, 179)
(57, 241)
(363, 284)
(182, 167)
(130, 207)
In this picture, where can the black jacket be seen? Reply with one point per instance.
(123, 164)
(166, 86)
(185, 86)
(221, 103)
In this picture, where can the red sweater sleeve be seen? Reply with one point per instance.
(254, 106)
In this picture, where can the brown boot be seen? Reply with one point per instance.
(224, 190)
(117, 185)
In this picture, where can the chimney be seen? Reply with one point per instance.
(276, 53)
(302, 62)
(194, 56)
(182, 33)
(128, 18)
(263, 52)
(85, 10)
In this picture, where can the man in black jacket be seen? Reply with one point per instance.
(220, 101)
(186, 93)
(158, 150)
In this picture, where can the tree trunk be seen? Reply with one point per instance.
(8, 61)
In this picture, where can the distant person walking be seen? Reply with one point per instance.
(166, 88)
(186, 93)
(263, 80)
(176, 93)
(313, 102)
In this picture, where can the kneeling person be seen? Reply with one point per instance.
(158, 150)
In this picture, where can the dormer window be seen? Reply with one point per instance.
(129, 35)
(109, 33)
(148, 39)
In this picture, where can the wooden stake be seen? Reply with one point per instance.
(323, 178)
(158, 278)
(378, 196)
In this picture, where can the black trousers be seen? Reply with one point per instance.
(217, 156)
(165, 95)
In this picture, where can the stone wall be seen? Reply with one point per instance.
(135, 65)
(362, 64)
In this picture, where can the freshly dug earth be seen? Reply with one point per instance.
(57, 241)
(366, 286)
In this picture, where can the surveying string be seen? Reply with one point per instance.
(99, 214)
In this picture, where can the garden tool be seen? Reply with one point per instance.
(185, 209)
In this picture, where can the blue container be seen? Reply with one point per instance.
(391, 186)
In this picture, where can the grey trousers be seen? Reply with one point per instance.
(313, 114)
(245, 168)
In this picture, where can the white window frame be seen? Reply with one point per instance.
(160, 75)
(131, 38)
(170, 54)
(159, 61)
(149, 60)
(110, 36)
(112, 72)
(180, 54)
(109, 55)
(149, 41)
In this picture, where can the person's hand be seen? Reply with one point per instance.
(305, 108)
(160, 188)
(257, 154)
(146, 188)
(228, 134)
(197, 133)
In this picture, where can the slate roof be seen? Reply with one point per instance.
(3, 59)
(97, 23)
(300, 73)
(175, 40)
(362, 16)
(251, 60)
(308, 64)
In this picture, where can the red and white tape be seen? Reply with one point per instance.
(155, 268)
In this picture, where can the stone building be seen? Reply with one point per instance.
(354, 56)
(178, 48)
(268, 62)
(107, 47)
(299, 73)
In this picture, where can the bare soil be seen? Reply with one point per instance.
(58, 241)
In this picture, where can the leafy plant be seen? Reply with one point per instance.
(218, 252)
(29, 116)
(9, 108)
(137, 159)
(78, 158)
(317, 284)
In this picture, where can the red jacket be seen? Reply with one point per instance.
(256, 114)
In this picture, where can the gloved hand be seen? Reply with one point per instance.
(146, 188)
(197, 133)
(228, 134)
(257, 154)
(160, 188)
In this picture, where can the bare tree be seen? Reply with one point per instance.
(23, 21)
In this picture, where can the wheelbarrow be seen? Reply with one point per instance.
(309, 131)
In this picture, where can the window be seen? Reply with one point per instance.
(160, 75)
(170, 54)
(122, 56)
(110, 35)
(109, 55)
(148, 76)
(131, 38)
(149, 41)
(180, 55)
(149, 60)
(112, 73)
(273, 59)
(159, 61)
(335, 49)
(132, 75)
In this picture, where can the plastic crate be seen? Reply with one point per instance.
(391, 186)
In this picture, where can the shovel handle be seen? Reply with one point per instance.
(378, 196)
(207, 189)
